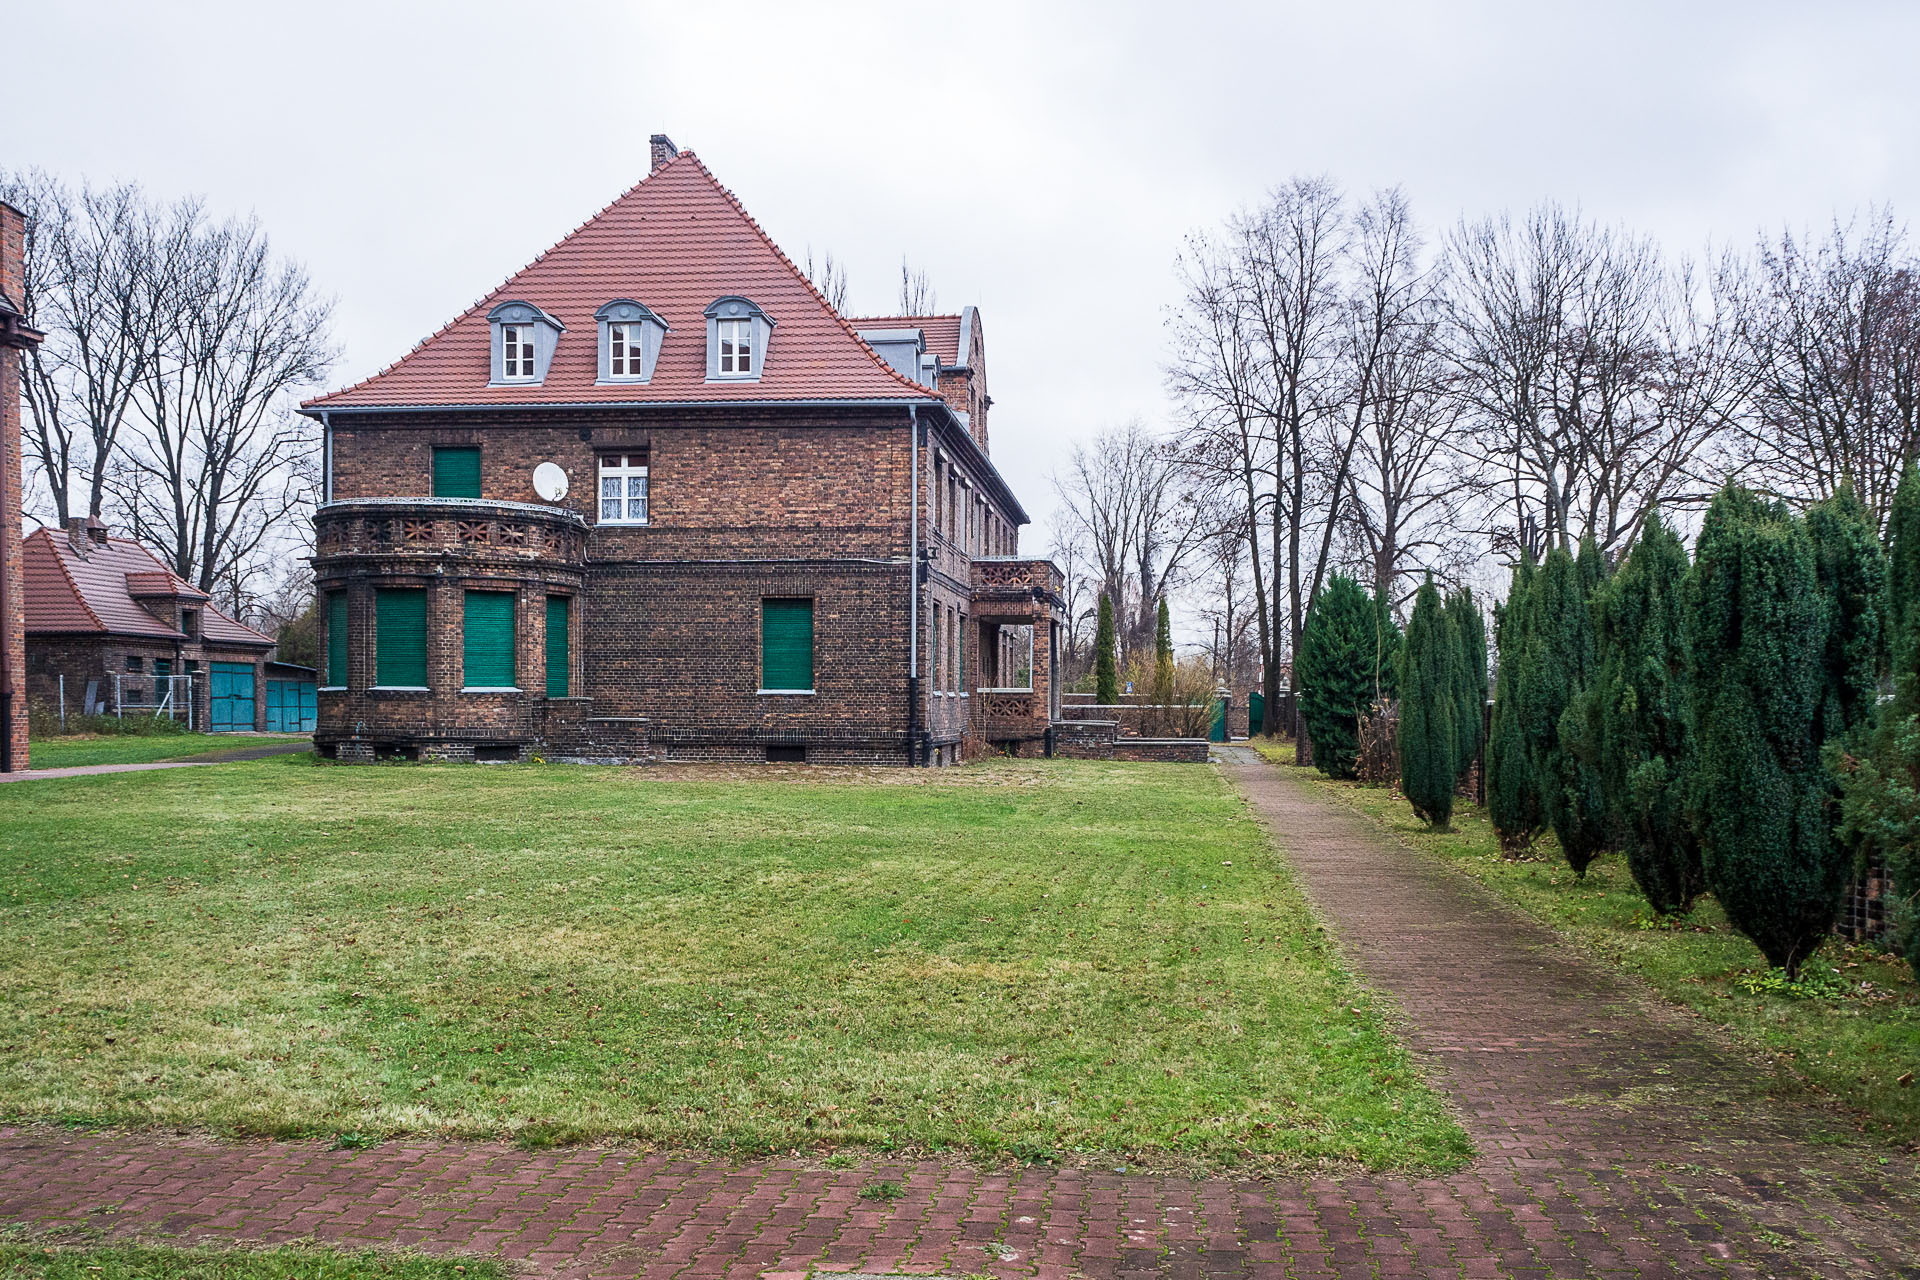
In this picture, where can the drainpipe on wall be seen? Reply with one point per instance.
(913, 597)
(326, 460)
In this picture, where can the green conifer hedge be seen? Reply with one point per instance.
(1429, 692)
(1335, 673)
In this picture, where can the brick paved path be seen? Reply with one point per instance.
(1615, 1140)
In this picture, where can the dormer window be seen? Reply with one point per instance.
(524, 337)
(630, 337)
(737, 337)
(516, 353)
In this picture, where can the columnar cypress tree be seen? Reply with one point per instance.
(1557, 668)
(1386, 649)
(1643, 722)
(1756, 633)
(1852, 571)
(1428, 700)
(1163, 652)
(1470, 670)
(1106, 667)
(1335, 669)
(1513, 794)
(1882, 786)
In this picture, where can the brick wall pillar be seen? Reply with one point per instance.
(16, 335)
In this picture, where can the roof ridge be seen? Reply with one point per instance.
(60, 562)
(812, 288)
(507, 280)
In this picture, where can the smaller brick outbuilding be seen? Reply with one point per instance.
(110, 628)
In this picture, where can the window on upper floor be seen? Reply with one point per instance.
(630, 338)
(516, 353)
(738, 333)
(623, 488)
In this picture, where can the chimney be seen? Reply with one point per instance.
(663, 151)
(77, 535)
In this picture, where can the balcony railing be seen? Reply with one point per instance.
(441, 526)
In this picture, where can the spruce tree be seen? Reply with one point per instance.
(1335, 671)
(1513, 794)
(1470, 670)
(1756, 635)
(1106, 668)
(1643, 721)
(1429, 693)
(1882, 785)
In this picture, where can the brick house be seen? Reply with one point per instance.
(111, 630)
(654, 498)
(16, 336)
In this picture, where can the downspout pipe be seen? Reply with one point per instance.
(913, 591)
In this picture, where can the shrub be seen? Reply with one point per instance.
(1756, 635)
(44, 722)
(1513, 793)
(1428, 693)
(1339, 644)
(1643, 722)
(1106, 671)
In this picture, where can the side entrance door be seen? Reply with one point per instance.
(231, 697)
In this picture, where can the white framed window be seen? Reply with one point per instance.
(623, 350)
(736, 348)
(623, 488)
(516, 353)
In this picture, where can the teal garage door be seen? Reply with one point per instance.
(290, 706)
(231, 697)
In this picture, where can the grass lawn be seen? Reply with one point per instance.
(1019, 959)
(20, 1261)
(1854, 1045)
(84, 749)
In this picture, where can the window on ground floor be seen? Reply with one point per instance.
(400, 638)
(558, 651)
(337, 639)
(486, 646)
(786, 645)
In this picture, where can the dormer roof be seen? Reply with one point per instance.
(678, 241)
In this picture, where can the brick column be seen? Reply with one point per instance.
(16, 335)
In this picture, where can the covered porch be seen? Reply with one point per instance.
(1016, 612)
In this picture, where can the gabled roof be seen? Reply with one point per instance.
(675, 242)
(68, 594)
(941, 332)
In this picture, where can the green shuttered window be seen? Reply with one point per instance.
(786, 645)
(456, 473)
(400, 638)
(557, 653)
(487, 648)
(337, 638)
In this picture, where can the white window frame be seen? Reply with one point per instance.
(625, 468)
(626, 345)
(737, 334)
(517, 338)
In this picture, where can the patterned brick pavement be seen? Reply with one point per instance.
(1616, 1140)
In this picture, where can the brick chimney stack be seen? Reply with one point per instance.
(16, 335)
(663, 151)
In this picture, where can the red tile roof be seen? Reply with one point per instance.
(66, 593)
(941, 332)
(675, 242)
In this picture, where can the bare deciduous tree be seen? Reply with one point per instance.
(916, 292)
(830, 278)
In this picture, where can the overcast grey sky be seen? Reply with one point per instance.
(1039, 161)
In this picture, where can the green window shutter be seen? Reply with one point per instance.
(487, 649)
(557, 651)
(786, 644)
(337, 638)
(456, 473)
(400, 637)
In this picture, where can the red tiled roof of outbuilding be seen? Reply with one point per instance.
(67, 593)
(675, 242)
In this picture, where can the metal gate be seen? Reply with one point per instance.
(290, 706)
(1256, 713)
(230, 691)
(1218, 733)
